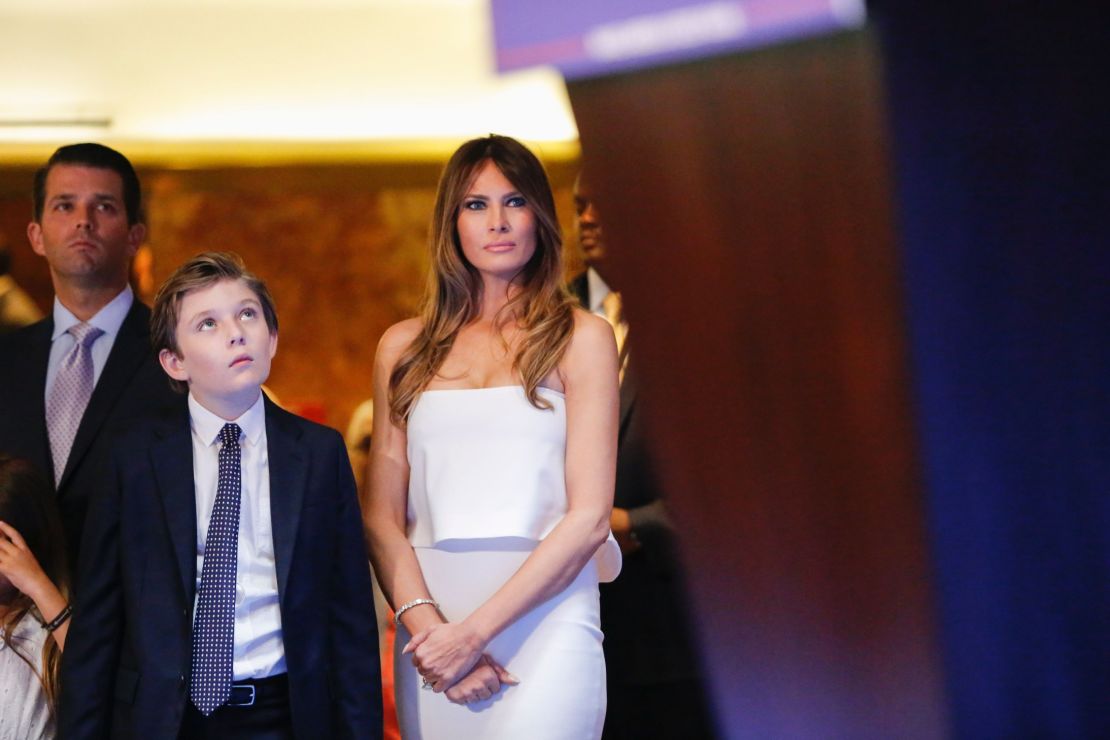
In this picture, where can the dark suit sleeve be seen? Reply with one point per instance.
(651, 521)
(355, 664)
(639, 490)
(91, 655)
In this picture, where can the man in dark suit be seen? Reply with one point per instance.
(226, 588)
(87, 225)
(653, 683)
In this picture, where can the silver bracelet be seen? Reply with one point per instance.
(410, 604)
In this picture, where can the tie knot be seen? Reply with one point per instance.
(84, 333)
(229, 435)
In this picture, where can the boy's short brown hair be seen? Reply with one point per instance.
(202, 271)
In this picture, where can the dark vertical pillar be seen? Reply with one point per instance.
(747, 204)
(1002, 128)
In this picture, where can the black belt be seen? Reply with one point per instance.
(259, 691)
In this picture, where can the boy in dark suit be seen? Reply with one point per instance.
(226, 591)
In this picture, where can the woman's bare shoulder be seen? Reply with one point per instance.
(593, 348)
(396, 338)
(591, 332)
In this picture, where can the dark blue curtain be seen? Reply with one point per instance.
(1002, 156)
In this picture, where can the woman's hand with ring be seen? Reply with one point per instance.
(443, 653)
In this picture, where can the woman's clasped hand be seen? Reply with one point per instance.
(449, 658)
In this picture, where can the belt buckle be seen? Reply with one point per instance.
(249, 702)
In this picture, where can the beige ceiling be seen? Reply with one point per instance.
(259, 78)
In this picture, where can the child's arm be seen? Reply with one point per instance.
(356, 666)
(18, 565)
(89, 662)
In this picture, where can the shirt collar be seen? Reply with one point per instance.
(208, 425)
(598, 290)
(108, 319)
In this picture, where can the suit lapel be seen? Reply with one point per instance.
(171, 457)
(288, 476)
(129, 351)
(580, 289)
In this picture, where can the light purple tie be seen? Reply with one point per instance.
(70, 395)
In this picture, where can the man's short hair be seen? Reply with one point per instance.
(92, 155)
(202, 271)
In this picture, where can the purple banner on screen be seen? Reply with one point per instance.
(583, 38)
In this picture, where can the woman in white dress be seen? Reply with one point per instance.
(491, 477)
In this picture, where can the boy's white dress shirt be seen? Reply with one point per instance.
(259, 650)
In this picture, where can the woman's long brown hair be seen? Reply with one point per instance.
(542, 308)
(27, 504)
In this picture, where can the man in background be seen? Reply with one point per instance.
(654, 688)
(67, 381)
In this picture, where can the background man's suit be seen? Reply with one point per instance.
(131, 385)
(139, 582)
(643, 615)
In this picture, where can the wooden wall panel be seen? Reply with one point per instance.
(748, 210)
(28, 269)
(343, 250)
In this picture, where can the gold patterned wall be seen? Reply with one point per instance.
(343, 249)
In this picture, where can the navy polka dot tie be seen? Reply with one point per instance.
(214, 625)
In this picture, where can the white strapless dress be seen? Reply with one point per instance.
(486, 484)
